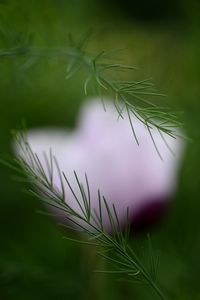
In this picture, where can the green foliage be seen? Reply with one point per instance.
(129, 95)
(35, 262)
(114, 246)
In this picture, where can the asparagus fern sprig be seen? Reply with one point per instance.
(112, 246)
(133, 97)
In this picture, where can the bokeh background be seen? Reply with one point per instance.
(162, 39)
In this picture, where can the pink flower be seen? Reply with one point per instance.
(103, 147)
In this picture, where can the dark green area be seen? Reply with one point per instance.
(35, 262)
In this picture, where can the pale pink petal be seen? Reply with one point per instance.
(103, 147)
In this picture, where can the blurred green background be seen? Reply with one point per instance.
(163, 41)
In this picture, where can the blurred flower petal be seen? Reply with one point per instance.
(103, 147)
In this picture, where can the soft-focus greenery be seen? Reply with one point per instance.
(35, 262)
